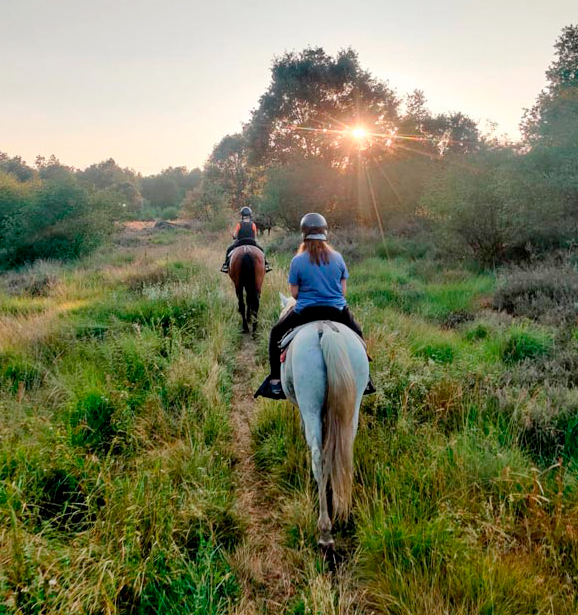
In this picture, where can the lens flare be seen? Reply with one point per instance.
(359, 133)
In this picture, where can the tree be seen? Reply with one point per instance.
(312, 97)
(228, 166)
(16, 166)
(553, 120)
(160, 191)
(550, 128)
(53, 169)
(106, 174)
(207, 203)
(168, 188)
(293, 189)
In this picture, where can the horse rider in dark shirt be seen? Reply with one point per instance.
(245, 235)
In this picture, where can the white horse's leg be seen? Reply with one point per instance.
(311, 418)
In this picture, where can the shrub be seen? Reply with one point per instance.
(148, 214)
(59, 221)
(36, 280)
(170, 213)
(438, 352)
(545, 292)
(524, 344)
(497, 208)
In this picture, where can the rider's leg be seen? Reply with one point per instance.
(349, 321)
(225, 267)
(267, 263)
(271, 386)
(291, 320)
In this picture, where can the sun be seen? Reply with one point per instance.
(359, 133)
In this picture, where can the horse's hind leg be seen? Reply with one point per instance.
(324, 522)
(242, 309)
(312, 427)
(255, 311)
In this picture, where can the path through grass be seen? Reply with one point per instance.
(138, 475)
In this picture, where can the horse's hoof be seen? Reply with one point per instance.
(326, 541)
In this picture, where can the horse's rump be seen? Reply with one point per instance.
(247, 271)
(247, 267)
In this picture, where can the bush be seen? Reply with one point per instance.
(524, 344)
(546, 292)
(36, 280)
(497, 208)
(59, 220)
(170, 213)
(148, 214)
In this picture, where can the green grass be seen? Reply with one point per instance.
(466, 477)
(116, 492)
(117, 480)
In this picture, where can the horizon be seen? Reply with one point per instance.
(107, 81)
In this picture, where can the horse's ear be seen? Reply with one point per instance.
(284, 300)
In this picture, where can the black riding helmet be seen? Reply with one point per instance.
(314, 226)
(246, 212)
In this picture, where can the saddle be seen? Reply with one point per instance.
(286, 340)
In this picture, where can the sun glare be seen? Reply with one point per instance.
(359, 133)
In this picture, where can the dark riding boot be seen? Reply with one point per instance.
(272, 391)
(268, 266)
(225, 266)
(370, 388)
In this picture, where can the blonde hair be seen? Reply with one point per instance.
(319, 250)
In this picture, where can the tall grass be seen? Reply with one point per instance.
(117, 482)
(116, 492)
(466, 480)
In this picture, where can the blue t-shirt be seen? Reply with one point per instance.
(318, 284)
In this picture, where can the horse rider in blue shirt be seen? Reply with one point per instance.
(318, 280)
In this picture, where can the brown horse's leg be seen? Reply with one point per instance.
(242, 309)
(253, 308)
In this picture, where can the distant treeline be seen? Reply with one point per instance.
(416, 173)
(52, 210)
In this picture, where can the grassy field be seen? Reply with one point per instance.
(119, 470)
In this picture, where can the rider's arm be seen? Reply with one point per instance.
(344, 286)
(237, 228)
(294, 290)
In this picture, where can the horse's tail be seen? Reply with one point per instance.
(340, 409)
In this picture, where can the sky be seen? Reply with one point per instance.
(157, 83)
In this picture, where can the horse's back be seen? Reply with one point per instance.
(239, 252)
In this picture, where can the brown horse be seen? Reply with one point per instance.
(247, 270)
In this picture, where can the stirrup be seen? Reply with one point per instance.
(268, 267)
(225, 268)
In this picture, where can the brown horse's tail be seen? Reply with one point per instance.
(340, 409)
(249, 284)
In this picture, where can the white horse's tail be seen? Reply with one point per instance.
(340, 409)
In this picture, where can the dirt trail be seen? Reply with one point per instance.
(260, 561)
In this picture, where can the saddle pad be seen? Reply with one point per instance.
(290, 335)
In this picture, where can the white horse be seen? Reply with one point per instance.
(324, 374)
